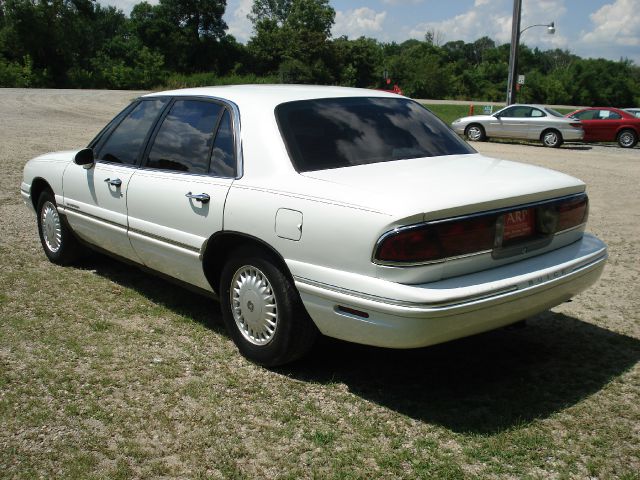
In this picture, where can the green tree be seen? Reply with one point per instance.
(186, 32)
(292, 38)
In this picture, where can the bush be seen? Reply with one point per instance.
(206, 79)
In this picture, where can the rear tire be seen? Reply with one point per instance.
(551, 138)
(60, 245)
(262, 309)
(627, 138)
(475, 133)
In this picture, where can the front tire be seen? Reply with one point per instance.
(475, 133)
(552, 139)
(262, 309)
(627, 138)
(58, 242)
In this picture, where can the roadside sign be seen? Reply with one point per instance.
(520, 79)
(487, 109)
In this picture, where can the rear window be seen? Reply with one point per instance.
(342, 132)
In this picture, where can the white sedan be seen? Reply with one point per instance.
(525, 122)
(352, 213)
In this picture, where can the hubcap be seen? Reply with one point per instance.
(626, 139)
(474, 133)
(550, 139)
(51, 227)
(254, 305)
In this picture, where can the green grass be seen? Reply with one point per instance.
(163, 392)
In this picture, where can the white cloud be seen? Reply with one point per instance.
(404, 2)
(616, 29)
(493, 19)
(125, 5)
(236, 17)
(358, 22)
(468, 26)
(615, 24)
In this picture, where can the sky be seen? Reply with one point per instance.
(589, 28)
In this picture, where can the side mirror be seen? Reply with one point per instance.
(85, 158)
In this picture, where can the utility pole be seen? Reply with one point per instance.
(513, 52)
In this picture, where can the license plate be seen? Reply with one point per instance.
(518, 224)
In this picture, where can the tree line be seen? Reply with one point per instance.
(82, 44)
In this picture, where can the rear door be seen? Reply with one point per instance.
(606, 126)
(176, 199)
(96, 198)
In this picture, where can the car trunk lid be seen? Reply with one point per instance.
(446, 186)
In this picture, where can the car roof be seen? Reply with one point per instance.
(536, 105)
(272, 95)
(602, 108)
(621, 111)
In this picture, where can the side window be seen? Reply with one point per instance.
(522, 112)
(537, 113)
(517, 112)
(223, 163)
(609, 115)
(184, 140)
(125, 142)
(509, 112)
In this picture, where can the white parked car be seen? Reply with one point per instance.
(353, 213)
(526, 122)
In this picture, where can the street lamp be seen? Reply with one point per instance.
(513, 52)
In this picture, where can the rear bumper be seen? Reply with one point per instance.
(421, 315)
(572, 135)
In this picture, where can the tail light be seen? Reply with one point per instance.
(572, 213)
(436, 241)
(576, 125)
(470, 235)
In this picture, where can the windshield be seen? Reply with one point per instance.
(341, 132)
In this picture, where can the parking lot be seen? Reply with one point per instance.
(80, 345)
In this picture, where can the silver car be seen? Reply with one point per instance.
(633, 111)
(527, 122)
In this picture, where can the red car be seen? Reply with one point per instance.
(606, 124)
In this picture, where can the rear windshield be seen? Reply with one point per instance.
(341, 132)
(553, 112)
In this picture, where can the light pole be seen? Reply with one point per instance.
(513, 52)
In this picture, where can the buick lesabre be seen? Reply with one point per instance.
(351, 213)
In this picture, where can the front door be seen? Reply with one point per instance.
(95, 198)
(96, 205)
(512, 122)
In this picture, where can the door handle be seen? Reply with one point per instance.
(198, 197)
(116, 182)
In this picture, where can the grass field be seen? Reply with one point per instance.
(107, 372)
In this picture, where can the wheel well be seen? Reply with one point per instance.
(551, 129)
(38, 186)
(622, 129)
(221, 246)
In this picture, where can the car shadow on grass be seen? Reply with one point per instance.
(482, 384)
(157, 289)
